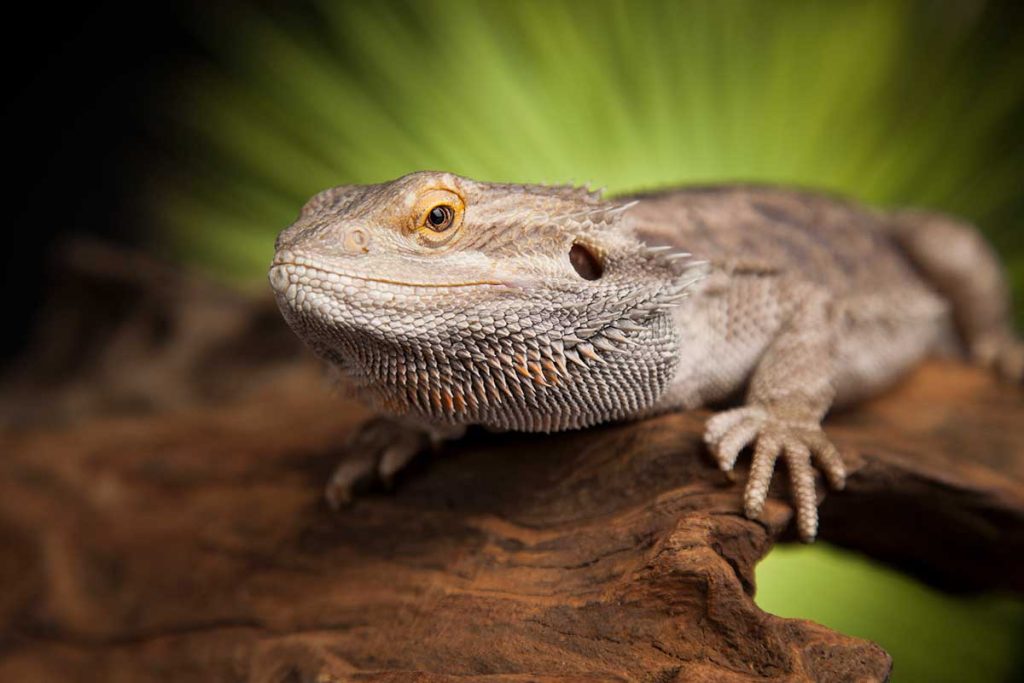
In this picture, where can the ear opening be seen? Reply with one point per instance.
(585, 262)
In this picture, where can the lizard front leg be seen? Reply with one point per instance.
(378, 450)
(790, 391)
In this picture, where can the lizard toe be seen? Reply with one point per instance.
(346, 477)
(766, 452)
(1011, 362)
(740, 435)
(721, 424)
(1002, 353)
(395, 458)
(828, 459)
(801, 481)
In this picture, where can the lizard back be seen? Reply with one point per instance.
(832, 241)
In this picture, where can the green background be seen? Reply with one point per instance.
(895, 103)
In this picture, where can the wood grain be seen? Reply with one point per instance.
(147, 538)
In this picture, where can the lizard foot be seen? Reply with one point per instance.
(376, 452)
(798, 442)
(1002, 353)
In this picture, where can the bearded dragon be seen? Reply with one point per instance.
(446, 302)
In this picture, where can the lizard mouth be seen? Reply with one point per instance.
(289, 269)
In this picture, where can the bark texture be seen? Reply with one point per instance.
(161, 518)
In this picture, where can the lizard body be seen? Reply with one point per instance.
(447, 302)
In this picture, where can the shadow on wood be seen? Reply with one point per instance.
(182, 535)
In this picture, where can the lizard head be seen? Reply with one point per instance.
(514, 306)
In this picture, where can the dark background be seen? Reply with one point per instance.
(78, 83)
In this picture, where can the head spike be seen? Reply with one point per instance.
(588, 351)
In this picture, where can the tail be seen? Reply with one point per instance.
(961, 266)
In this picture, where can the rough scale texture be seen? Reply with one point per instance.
(160, 518)
(447, 302)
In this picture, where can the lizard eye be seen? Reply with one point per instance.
(440, 218)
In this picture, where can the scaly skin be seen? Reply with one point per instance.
(447, 302)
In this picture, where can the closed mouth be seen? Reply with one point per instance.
(302, 266)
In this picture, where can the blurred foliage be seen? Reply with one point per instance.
(892, 102)
(896, 103)
(931, 636)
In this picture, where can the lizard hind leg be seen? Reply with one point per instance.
(958, 263)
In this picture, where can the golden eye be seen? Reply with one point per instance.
(438, 216)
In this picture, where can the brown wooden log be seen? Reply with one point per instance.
(188, 540)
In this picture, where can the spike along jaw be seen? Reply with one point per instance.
(520, 307)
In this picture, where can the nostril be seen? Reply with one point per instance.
(278, 277)
(357, 240)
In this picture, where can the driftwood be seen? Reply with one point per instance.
(173, 530)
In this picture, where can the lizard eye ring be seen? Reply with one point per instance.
(438, 216)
